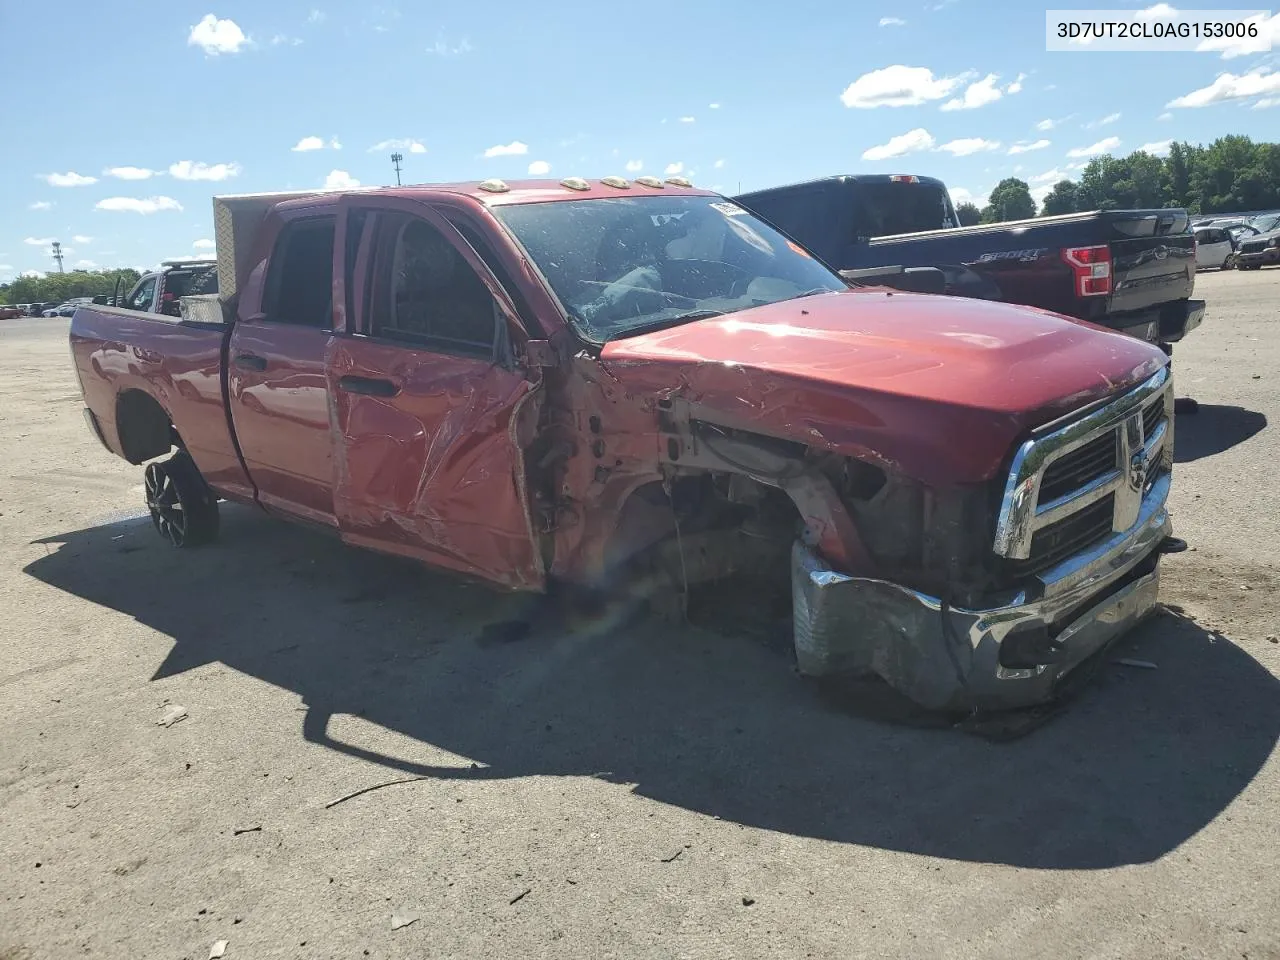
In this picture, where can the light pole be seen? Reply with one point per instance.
(395, 161)
(57, 254)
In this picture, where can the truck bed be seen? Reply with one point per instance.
(1154, 258)
(126, 360)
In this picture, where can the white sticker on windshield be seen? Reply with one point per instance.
(728, 209)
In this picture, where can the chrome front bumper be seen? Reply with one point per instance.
(947, 658)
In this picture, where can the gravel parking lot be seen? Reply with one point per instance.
(602, 792)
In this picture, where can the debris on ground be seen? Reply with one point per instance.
(671, 857)
(376, 786)
(1140, 664)
(748, 901)
(174, 713)
(521, 895)
(400, 920)
(241, 830)
(218, 949)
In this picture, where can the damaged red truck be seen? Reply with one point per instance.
(617, 383)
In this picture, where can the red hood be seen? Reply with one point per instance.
(940, 387)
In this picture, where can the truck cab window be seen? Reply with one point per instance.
(300, 279)
(141, 298)
(425, 292)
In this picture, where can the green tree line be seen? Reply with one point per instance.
(1231, 174)
(60, 287)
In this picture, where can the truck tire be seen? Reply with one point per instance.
(183, 508)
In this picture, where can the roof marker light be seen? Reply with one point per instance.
(618, 182)
(679, 182)
(649, 182)
(494, 186)
(904, 178)
(575, 183)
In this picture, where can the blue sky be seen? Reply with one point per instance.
(135, 114)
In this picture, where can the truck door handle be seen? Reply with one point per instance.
(250, 361)
(369, 385)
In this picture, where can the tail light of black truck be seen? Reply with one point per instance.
(1091, 267)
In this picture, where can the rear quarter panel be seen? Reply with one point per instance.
(178, 364)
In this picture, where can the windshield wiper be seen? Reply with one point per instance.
(664, 322)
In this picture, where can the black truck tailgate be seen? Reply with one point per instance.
(1153, 258)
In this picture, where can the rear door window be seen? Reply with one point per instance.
(882, 208)
(300, 278)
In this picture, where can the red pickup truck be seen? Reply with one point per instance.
(638, 385)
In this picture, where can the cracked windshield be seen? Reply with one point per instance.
(625, 266)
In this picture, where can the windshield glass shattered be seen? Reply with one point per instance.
(622, 266)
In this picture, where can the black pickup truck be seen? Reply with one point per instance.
(1130, 270)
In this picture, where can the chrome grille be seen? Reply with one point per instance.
(1095, 459)
(1082, 479)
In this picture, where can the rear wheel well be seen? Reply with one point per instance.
(143, 426)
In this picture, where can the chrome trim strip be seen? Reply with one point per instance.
(1071, 503)
(1020, 514)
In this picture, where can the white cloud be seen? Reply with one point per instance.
(719, 164)
(635, 166)
(539, 168)
(1109, 118)
(308, 143)
(1049, 176)
(713, 106)
(1267, 102)
(1043, 190)
(1228, 86)
(1165, 116)
(81, 238)
(413, 146)
(513, 149)
(688, 119)
(960, 195)
(86, 265)
(41, 205)
(1268, 38)
(1157, 148)
(674, 168)
(443, 48)
(5, 267)
(336, 144)
(912, 141)
(966, 146)
(130, 173)
(1045, 125)
(215, 36)
(976, 95)
(195, 170)
(340, 180)
(316, 16)
(1016, 86)
(1027, 146)
(1102, 146)
(38, 241)
(898, 86)
(138, 204)
(33, 274)
(69, 179)
(281, 39)
(892, 22)
(204, 244)
(1161, 11)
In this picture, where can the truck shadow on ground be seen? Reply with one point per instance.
(713, 724)
(1214, 429)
